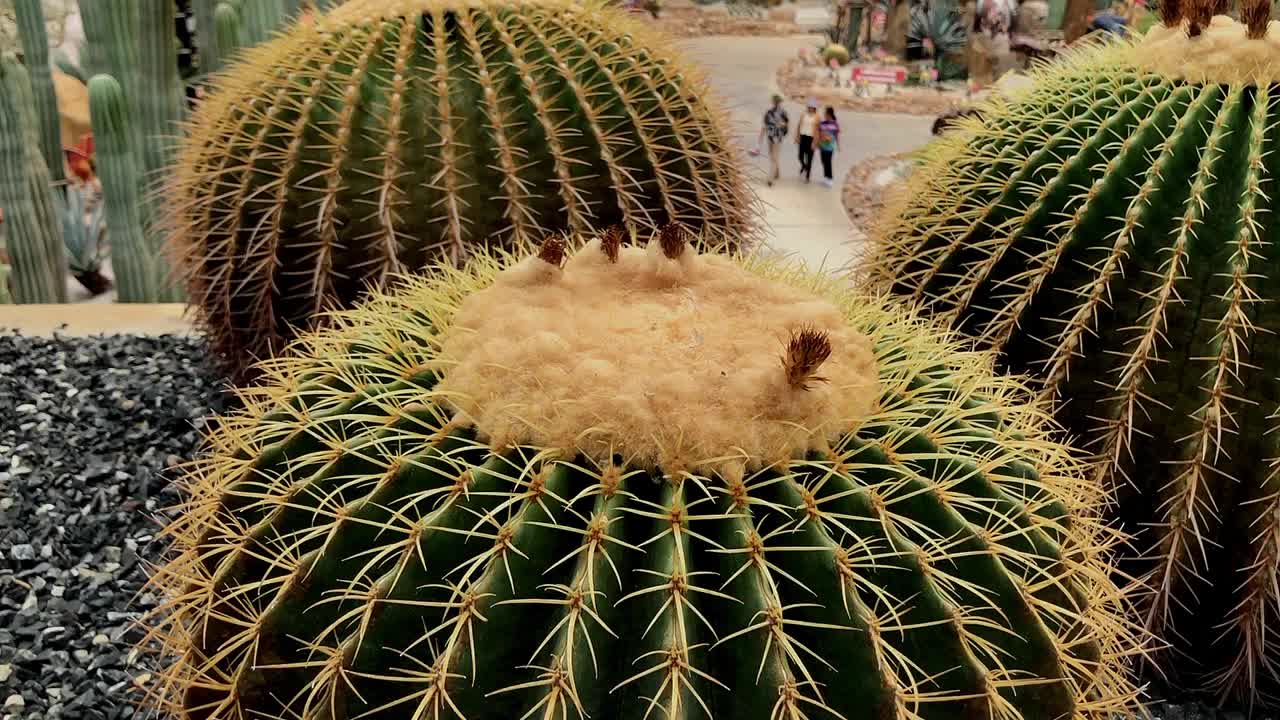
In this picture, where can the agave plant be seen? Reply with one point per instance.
(936, 31)
(83, 231)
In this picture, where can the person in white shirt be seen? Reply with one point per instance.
(806, 131)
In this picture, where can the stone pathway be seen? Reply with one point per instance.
(806, 221)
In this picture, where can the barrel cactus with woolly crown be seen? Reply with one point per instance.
(743, 492)
(1112, 230)
(385, 136)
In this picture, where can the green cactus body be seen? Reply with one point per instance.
(211, 57)
(35, 50)
(227, 31)
(356, 545)
(159, 104)
(137, 265)
(111, 30)
(260, 18)
(1112, 232)
(136, 39)
(34, 238)
(330, 159)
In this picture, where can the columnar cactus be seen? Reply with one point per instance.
(639, 483)
(227, 28)
(1113, 231)
(32, 228)
(135, 39)
(260, 18)
(159, 101)
(35, 52)
(388, 135)
(139, 265)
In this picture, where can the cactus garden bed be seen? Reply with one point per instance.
(683, 18)
(800, 80)
(706, 24)
(89, 428)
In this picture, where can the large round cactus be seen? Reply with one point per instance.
(388, 134)
(644, 484)
(1113, 231)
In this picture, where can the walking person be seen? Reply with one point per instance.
(774, 128)
(806, 131)
(828, 143)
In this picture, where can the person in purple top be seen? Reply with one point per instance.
(828, 142)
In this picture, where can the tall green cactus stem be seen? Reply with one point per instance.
(35, 51)
(1113, 231)
(211, 56)
(136, 39)
(260, 18)
(94, 51)
(386, 136)
(137, 265)
(227, 31)
(160, 106)
(111, 29)
(894, 537)
(33, 230)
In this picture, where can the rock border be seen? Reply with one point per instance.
(863, 201)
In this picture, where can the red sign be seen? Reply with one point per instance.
(890, 75)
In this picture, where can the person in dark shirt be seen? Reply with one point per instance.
(774, 128)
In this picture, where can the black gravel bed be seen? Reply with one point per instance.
(90, 429)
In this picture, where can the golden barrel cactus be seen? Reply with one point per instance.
(1113, 231)
(642, 483)
(389, 134)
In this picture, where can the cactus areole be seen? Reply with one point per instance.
(637, 483)
(1113, 232)
(392, 134)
